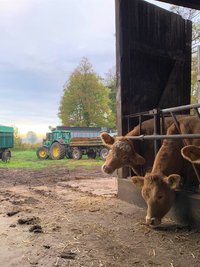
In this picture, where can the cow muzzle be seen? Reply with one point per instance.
(153, 221)
(106, 169)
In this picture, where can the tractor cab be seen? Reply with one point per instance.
(62, 137)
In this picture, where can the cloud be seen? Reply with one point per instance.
(42, 42)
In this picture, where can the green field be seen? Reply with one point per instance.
(28, 159)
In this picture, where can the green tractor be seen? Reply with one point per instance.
(59, 144)
(55, 145)
(6, 142)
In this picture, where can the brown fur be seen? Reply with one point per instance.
(168, 161)
(126, 152)
(191, 153)
(158, 192)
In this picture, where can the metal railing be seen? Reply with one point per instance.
(159, 116)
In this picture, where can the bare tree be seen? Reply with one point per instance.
(194, 16)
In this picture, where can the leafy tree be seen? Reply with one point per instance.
(85, 100)
(111, 83)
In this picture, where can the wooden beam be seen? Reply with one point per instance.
(195, 4)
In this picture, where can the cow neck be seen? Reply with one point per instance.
(136, 148)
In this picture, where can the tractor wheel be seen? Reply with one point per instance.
(6, 155)
(76, 153)
(91, 155)
(103, 153)
(42, 152)
(57, 151)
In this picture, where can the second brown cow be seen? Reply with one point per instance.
(168, 169)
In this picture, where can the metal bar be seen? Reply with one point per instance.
(164, 111)
(161, 137)
(177, 126)
(157, 142)
(197, 112)
(140, 123)
(180, 108)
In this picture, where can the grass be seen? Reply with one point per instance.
(28, 159)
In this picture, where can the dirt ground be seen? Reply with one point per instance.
(57, 217)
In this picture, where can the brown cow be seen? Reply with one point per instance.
(131, 153)
(158, 192)
(158, 186)
(191, 153)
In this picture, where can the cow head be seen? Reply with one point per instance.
(158, 193)
(191, 153)
(121, 153)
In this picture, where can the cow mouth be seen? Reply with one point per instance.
(106, 169)
(153, 221)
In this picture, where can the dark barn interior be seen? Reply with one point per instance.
(153, 58)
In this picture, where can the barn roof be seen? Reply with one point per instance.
(187, 3)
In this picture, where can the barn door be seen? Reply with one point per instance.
(153, 59)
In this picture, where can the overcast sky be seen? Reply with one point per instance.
(42, 41)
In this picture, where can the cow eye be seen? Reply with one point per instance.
(125, 157)
(160, 197)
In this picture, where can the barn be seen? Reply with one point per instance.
(153, 59)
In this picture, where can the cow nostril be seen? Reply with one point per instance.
(152, 221)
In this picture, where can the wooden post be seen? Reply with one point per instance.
(198, 74)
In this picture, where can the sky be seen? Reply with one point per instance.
(42, 42)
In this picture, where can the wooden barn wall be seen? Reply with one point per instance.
(153, 59)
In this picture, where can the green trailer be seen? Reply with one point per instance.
(6, 142)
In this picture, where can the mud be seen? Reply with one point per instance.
(73, 218)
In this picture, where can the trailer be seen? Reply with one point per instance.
(6, 142)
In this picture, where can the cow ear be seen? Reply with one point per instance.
(107, 139)
(191, 153)
(173, 180)
(138, 181)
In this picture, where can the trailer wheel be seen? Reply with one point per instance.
(76, 153)
(57, 151)
(6, 155)
(42, 152)
(104, 153)
(91, 155)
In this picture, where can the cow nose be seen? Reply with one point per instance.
(154, 221)
(106, 169)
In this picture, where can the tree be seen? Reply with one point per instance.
(17, 138)
(111, 83)
(31, 137)
(85, 100)
(194, 16)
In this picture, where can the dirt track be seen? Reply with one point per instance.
(64, 218)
